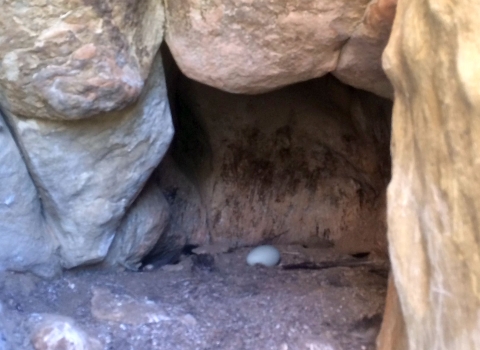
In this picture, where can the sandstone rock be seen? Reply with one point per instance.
(88, 172)
(54, 332)
(360, 64)
(107, 306)
(392, 334)
(24, 245)
(293, 166)
(247, 46)
(73, 59)
(432, 59)
(141, 228)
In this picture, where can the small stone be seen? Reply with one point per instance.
(53, 332)
(107, 306)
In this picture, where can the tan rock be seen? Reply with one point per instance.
(360, 63)
(392, 334)
(72, 59)
(55, 332)
(143, 225)
(247, 46)
(433, 60)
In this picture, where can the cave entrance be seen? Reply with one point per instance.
(303, 168)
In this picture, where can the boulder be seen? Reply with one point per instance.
(432, 59)
(88, 172)
(63, 59)
(141, 228)
(246, 46)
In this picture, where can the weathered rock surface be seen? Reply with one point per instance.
(107, 306)
(24, 244)
(433, 60)
(308, 163)
(188, 212)
(73, 59)
(55, 332)
(88, 172)
(143, 225)
(392, 335)
(249, 46)
(360, 63)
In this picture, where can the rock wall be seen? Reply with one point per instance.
(433, 60)
(305, 164)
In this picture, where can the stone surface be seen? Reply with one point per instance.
(307, 164)
(25, 245)
(73, 59)
(88, 172)
(107, 306)
(141, 228)
(392, 335)
(360, 63)
(188, 213)
(247, 46)
(54, 332)
(432, 59)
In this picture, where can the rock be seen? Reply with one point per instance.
(88, 172)
(54, 332)
(25, 244)
(188, 213)
(72, 59)
(305, 164)
(246, 46)
(432, 59)
(360, 62)
(140, 229)
(392, 334)
(124, 309)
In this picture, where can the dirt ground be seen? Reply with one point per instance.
(187, 306)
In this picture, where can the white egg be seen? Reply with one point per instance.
(264, 255)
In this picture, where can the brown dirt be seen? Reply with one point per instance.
(234, 306)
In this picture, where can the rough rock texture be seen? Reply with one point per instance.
(308, 163)
(188, 212)
(89, 171)
(125, 309)
(72, 59)
(247, 46)
(24, 243)
(55, 332)
(392, 334)
(141, 228)
(433, 60)
(360, 64)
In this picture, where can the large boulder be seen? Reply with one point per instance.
(63, 59)
(433, 60)
(88, 172)
(247, 46)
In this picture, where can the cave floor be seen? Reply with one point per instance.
(233, 306)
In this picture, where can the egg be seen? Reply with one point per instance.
(263, 255)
